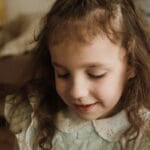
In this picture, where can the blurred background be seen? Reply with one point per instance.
(19, 23)
(10, 9)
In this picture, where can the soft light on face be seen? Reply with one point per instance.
(90, 78)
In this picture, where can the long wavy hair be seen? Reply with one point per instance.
(83, 20)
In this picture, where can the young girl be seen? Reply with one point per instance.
(92, 74)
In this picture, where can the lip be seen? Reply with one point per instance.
(85, 108)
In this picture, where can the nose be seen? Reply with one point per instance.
(79, 88)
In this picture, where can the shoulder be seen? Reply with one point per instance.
(17, 113)
(144, 135)
(142, 142)
(26, 137)
(142, 138)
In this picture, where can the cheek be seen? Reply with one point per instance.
(60, 88)
(108, 91)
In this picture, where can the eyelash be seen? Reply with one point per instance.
(63, 76)
(66, 76)
(97, 76)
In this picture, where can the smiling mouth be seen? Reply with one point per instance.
(85, 108)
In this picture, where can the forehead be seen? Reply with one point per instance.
(100, 50)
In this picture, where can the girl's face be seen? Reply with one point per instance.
(90, 78)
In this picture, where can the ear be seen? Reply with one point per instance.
(130, 72)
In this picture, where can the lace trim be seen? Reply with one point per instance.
(110, 128)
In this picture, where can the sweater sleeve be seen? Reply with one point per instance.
(26, 137)
(21, 121)
(144, 143)
(18, 116)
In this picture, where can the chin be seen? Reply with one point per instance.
(88, 117)
(91, 117)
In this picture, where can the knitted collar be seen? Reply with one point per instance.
(109, 129)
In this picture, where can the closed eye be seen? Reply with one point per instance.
(63, 76)
(93, 76)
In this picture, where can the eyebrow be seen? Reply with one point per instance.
(92, 65)
(58, 65)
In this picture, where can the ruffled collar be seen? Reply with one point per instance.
(109, 129)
